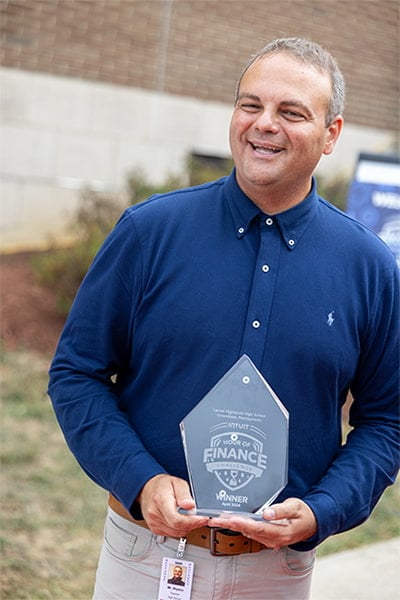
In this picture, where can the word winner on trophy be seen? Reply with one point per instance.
(236, 444)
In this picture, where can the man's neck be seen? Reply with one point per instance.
(271, 201)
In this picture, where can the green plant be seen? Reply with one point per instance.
(334, 189)
(204, 168)
(63, 269)
(139, 188)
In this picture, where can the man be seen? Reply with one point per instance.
(258, 264)
(177, 576)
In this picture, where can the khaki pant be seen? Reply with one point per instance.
(130, 566)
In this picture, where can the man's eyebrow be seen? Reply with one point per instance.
(248, 96)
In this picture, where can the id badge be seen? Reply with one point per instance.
(176, 579)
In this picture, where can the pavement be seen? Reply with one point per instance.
(366, 573)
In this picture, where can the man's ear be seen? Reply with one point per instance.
(332, 134)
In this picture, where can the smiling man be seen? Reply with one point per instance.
(255, 263)
(280, 128)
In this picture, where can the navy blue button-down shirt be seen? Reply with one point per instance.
(189, 281)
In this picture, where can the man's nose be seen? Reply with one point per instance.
(267, 120)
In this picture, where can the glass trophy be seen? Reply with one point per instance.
(236, 444)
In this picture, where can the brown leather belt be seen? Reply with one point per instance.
(220, 542)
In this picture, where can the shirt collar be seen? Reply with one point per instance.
(242, 208)
(292, 222)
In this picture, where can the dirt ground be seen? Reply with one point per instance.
(28, 316)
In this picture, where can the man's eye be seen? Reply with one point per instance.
(250, 107)
(292, 115)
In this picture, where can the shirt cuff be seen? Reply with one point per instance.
(327, 514)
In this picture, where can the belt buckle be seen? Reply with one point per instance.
(214, 541)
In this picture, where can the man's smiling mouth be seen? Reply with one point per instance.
(268, 150)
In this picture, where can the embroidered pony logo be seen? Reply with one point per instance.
(331, 318)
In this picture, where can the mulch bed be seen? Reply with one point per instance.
(28, 315)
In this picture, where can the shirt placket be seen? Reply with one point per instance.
(262, 290)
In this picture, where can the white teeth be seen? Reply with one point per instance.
(266, 150)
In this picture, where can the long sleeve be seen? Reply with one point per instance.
(96, 345)
(369, 460)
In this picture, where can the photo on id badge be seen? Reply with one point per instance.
(176, 579)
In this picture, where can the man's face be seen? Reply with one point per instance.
(177, 572)
(278, 128)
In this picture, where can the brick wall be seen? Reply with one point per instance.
(198, 47)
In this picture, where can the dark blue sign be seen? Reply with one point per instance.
(374, 197)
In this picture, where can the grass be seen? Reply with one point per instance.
(52, 515)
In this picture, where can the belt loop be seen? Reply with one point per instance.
(214, 542)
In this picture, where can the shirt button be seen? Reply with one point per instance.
(269, 221)
(241, 230)
(291, 242)
(265, 268)
(256, 324)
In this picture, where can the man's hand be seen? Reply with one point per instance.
(298, 523)
(159, 500)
